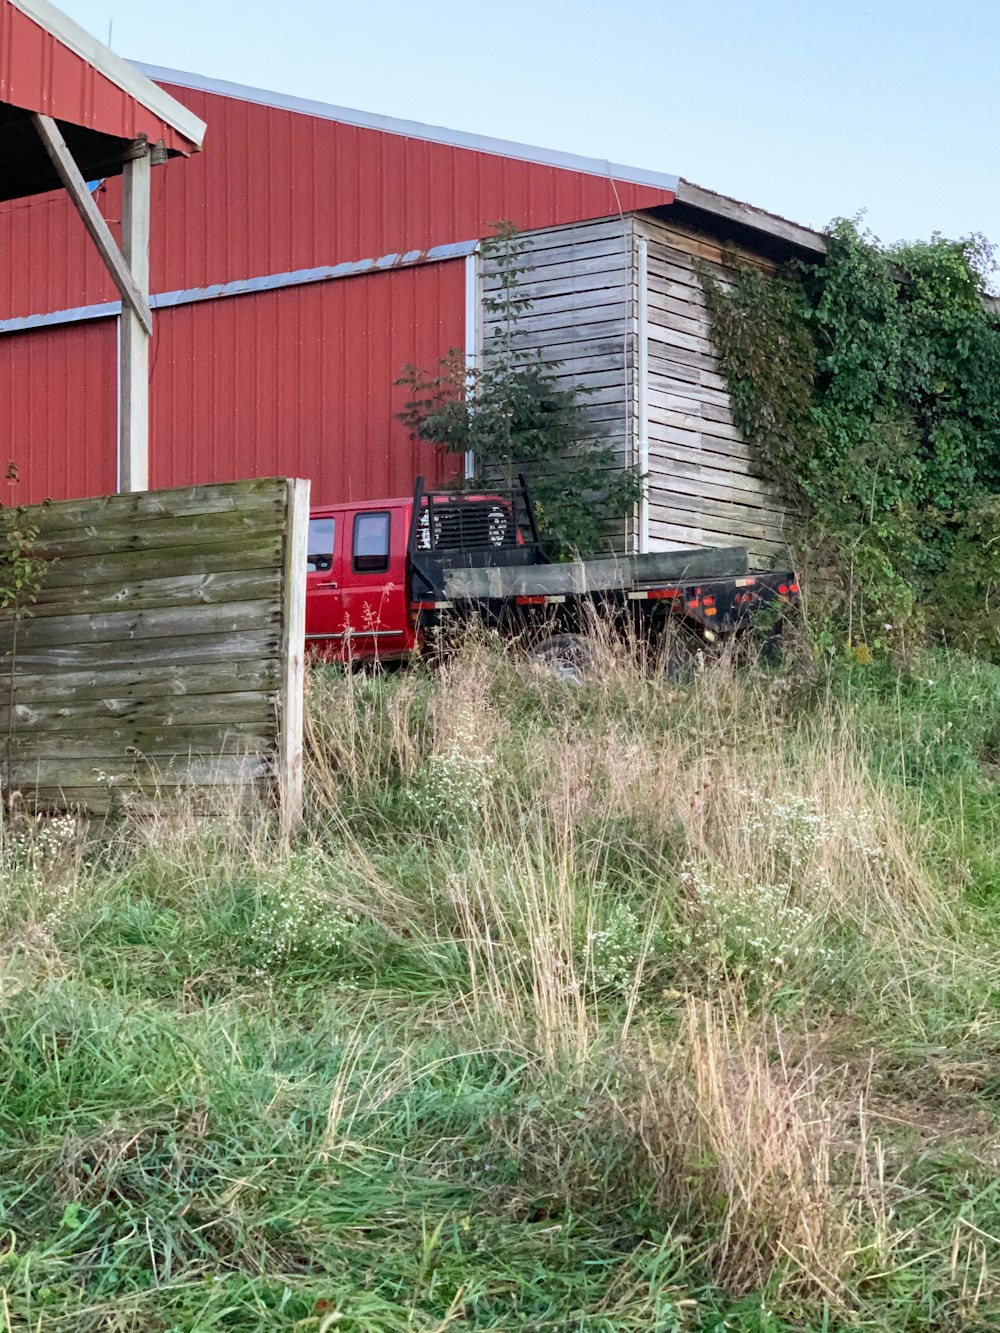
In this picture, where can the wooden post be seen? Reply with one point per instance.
(129, 269)
(473, 334)
(293, 647)
(76, 187)
(133, 367)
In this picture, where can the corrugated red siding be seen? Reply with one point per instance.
(59, 412)
(300, 382)
(38, 73)
(277, 190)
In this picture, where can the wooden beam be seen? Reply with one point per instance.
(748, 216)
(133, 378)
(293, 635)
(76, 186)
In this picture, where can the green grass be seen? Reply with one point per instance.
(584, 1009)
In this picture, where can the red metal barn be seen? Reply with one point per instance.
(311, 252)
(296, 266)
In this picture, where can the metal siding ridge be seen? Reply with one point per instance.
(246, 286)
(642, 261)
(413, 129)
(472, 333)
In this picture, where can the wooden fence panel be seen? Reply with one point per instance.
(164, 649)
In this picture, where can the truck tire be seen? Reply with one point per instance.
(571, 657)
(683, 653)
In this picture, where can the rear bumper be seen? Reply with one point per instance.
(724, 606)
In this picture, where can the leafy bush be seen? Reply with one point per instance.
(869, 386)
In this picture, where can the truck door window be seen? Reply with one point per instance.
(321, 532)
(371, 542)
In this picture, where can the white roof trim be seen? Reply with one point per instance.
(412, 129)
(123, 75)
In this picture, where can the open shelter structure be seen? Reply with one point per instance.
(72, 112)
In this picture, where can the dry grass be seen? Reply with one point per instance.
(354, 738)
(767, 815)
(521, 926)
(744, 1138)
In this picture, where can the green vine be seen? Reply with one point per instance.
(21, 573)
(868, 387)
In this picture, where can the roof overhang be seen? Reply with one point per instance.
(767, 233)
(103, 105)
(25, 167)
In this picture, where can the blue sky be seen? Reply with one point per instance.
(810, 110)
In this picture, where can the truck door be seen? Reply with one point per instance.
(375, 613)
(324, 596)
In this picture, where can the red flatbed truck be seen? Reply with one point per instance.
(386, 577)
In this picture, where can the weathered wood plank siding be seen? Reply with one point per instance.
(704, 488)
(617, 306)
(163, 651)
(580, 280)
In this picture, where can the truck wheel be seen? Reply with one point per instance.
(683, 653)
(769, 648)
(568, 656)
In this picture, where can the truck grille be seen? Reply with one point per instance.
(466, 525)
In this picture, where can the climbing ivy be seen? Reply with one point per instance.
(868, 386)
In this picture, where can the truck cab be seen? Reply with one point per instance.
(367, 569)
(356, 581)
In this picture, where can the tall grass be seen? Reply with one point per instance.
(607, 1006)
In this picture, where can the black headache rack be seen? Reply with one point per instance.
(481, 529)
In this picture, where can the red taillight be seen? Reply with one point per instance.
(783, 589)
(793, 587)
(661, 594)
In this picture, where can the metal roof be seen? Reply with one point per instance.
(701, 201)
(49, 66)
(413, 129)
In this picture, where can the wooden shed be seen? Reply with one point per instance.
(617, 305)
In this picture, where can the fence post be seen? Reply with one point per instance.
(291, 698)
